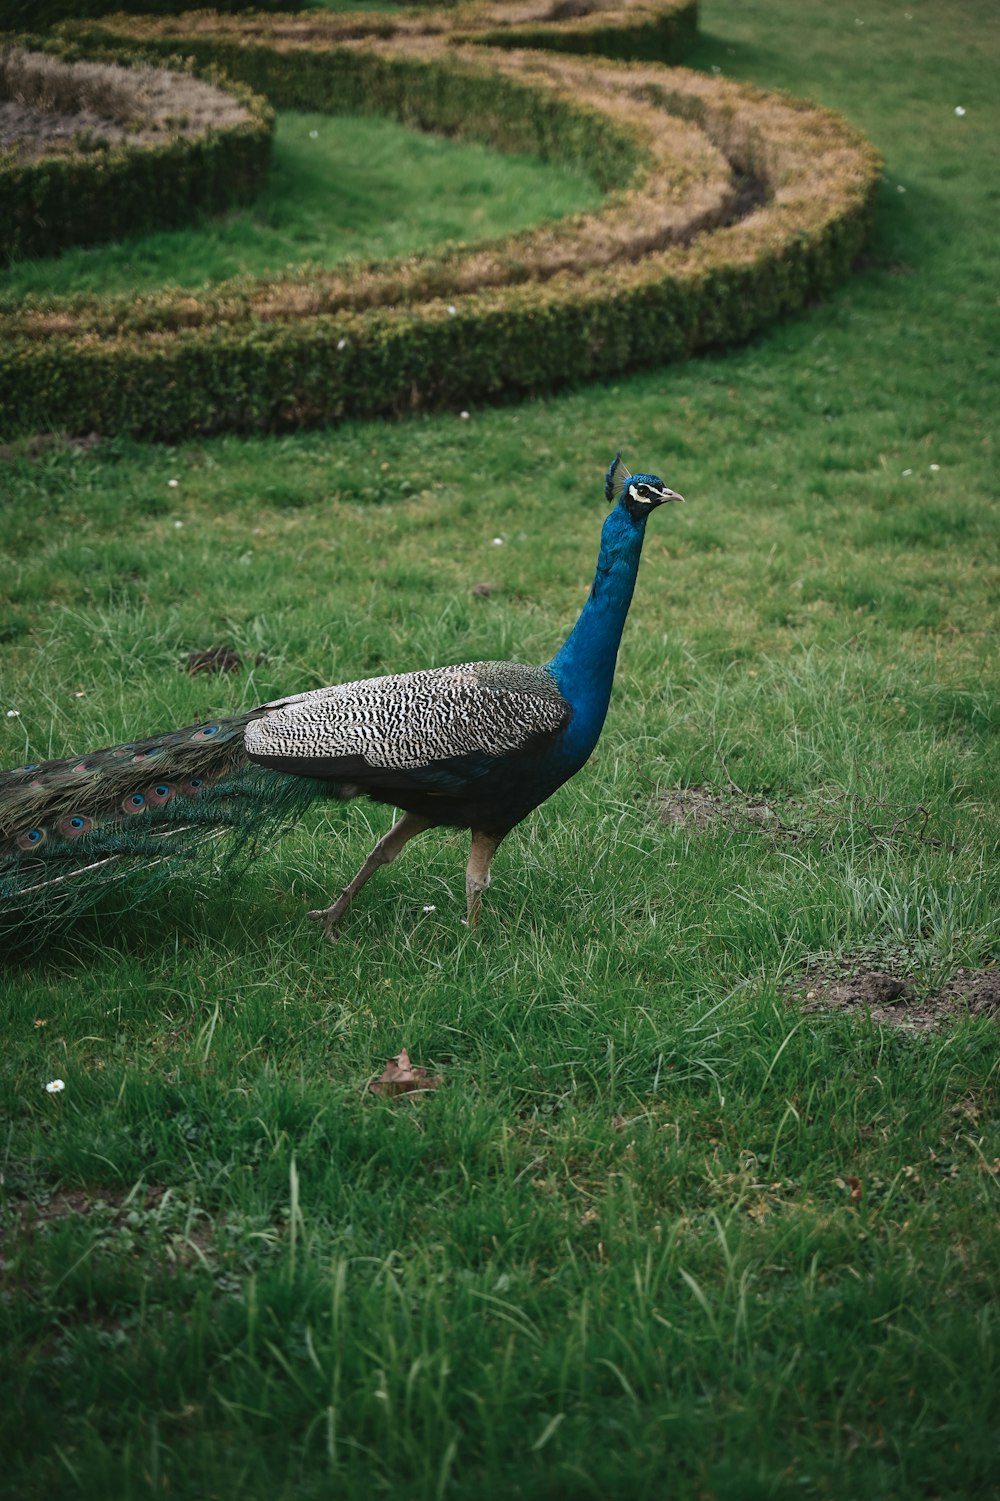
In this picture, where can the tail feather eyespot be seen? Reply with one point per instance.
(82, 766)
(134, 803)
(206, 732)
(193, 787)
(31, 839)
(159, 794)
(75, 825)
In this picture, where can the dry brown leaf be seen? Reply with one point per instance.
(400, 1076)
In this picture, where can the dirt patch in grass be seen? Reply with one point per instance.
(892, 997)
(700, 809)
(30, 1213)
(794, 819)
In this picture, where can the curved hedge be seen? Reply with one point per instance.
(655, 30)
(667, 268)
(159, 173)
(18, 15)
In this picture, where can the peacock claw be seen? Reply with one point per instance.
(330, 919)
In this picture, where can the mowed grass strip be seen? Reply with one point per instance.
(658, 1230)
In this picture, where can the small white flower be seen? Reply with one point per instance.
(498, 542)
(935, 468)
(178, 525)
(314, 135)
(716, 68)
(341, 343)
(464, 416)
(900, 188)
(80, 693)
(858, 21)
(172, 484)
(430, 907)
(54, 1086)
(959, 111)
(452, 309)
(907, 471)
(13, 713)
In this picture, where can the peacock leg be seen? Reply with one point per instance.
(383, 854)
(477, 874)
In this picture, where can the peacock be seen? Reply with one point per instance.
(475, 746)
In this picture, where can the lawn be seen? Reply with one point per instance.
(661, 1230)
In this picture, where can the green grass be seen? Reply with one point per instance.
(340, 187)
(616, 1254)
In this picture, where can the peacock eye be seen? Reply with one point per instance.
(70, 827)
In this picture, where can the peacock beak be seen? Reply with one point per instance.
(666, 495)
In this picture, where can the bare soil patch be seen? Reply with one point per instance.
(31, 1213)
(700, 808)
(793, 819)
(892, 997)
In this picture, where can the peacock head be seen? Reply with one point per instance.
(638, 494)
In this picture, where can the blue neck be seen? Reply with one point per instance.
(584, 667)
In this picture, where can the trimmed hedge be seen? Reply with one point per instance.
(676, 185)
(88, 197)
(653, 30)
(470, 323)
(29, 15)
(655, 33)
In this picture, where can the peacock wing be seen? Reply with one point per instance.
(438, 727)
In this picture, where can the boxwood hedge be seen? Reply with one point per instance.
(773, 212)
(154, 178)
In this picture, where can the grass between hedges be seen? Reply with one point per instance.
(616, 1254)
(339, 187)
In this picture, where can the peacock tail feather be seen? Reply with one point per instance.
(128, 816)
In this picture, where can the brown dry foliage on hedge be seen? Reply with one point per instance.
(700, 140)
(46, 103)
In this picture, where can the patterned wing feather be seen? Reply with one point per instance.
(412, 726)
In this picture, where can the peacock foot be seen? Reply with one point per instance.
(330, 917)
